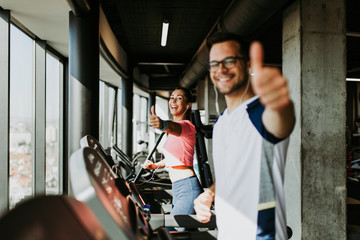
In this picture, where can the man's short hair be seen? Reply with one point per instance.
(219, 37)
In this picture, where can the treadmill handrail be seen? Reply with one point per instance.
(149, 156)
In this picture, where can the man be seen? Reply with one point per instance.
(250, 141)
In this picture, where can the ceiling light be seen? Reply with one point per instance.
(353, 79)
(165, 28)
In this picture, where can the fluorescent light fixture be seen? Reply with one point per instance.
(353, 79)
(164, 34)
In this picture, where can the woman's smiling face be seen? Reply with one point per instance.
(178, 103)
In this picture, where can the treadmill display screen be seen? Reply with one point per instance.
(122, 208)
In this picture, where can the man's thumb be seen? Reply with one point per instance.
(256, 57)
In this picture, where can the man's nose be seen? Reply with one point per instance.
(222, 68)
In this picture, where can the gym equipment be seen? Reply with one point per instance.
(93, 182)
(149, 157)
(89, 141)
(51, 217)
(202, 131)
(154, 197)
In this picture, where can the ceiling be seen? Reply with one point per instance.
(353, 38)
(137, 26)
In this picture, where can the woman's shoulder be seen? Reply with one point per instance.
(186, 122)
(187, 126)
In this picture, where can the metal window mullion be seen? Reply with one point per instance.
(39, 143)
(4, 108)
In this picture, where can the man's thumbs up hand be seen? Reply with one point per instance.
(268, 82)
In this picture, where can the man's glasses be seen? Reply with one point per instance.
(228, 62)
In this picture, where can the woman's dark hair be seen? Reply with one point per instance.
(187, 93)
(219, 37)
(189, 98)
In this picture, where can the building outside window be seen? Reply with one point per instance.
(53, 162)
(21, 116)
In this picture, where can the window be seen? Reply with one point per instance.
(140, 122)
(118, 128)
(53, 124)
(102, 108)
(107, 96)
(24, 114)
(111, 116)
(21, 115)
(162, 110)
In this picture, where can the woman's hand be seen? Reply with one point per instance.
(150, 165)
(154, 120)
(170, 127)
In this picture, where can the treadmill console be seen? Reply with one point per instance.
(93, 182)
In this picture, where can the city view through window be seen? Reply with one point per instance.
(21, 177)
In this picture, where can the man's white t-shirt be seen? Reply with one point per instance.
(249, 167)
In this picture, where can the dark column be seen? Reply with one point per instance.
(65, 127)
(127, 113)
(152, 100)
(83, 77)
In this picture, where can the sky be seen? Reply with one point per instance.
(21, 78)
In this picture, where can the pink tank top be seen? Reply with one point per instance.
(179, 150)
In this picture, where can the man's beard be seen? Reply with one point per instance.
(234, 88)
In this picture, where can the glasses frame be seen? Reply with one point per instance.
(223, 62)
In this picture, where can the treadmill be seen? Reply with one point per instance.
(51, 217)
(93, 182)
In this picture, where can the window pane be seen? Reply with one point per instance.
(119, 119)
(52, 124)
(136, 119)
(106, 111)
(101, 111)
(140, 123)
(110, 135)
(21, 108)
(162, 108)
(143, 125)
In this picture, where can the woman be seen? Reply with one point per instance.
(179, 152)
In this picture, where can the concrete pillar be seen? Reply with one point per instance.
(84, 39)
(314, 61)
(127, 113)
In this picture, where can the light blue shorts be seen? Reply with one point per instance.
(184, 192)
